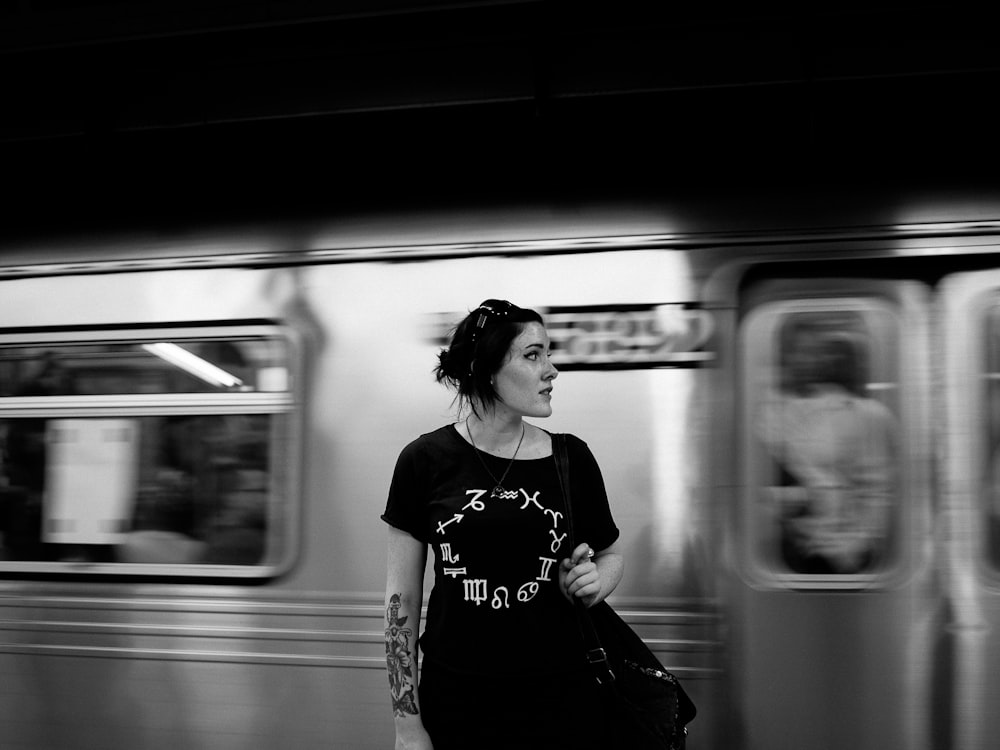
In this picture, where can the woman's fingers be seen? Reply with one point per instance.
(582, 580)
(579, 574)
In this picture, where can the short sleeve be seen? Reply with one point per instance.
(592, 518)
(406, 507)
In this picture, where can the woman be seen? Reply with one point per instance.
(502, 661)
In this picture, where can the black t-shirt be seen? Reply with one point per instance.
(495, 605)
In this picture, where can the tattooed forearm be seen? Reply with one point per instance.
(400, 660)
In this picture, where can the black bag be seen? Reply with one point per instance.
(647, 707)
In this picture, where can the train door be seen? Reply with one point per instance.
(834, 606)
(970, 326)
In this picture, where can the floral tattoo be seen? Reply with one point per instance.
(399, 660)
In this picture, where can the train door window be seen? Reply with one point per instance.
(991, 426)
(147, 452)
(821, 443)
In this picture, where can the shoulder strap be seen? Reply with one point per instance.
(597, 658)
(560, 453)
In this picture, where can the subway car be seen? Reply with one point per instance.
(797, 415)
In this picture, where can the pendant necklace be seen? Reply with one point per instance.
(498, 490)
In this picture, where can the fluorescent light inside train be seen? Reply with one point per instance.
(192, 363)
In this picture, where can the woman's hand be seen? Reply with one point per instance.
(579, 576)
(413, 738)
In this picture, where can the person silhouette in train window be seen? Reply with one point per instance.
(835, 449)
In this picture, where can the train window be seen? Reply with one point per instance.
(821, 445)
(991, 381)
(130, 454)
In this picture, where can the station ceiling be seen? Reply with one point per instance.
(232, 97)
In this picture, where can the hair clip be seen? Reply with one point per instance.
(485, 311)
(489, 309)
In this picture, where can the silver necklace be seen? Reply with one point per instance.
(498, 490)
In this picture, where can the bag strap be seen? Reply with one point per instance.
(597, 657)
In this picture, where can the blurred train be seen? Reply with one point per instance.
(197, 431)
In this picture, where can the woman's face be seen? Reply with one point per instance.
(524, 381)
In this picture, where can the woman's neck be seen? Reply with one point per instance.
(495, 433)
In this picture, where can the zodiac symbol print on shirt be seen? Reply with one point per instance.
(478, 590)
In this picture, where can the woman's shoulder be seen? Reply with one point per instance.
(443, 438)
(574, 443)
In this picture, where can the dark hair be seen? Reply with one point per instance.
(478, 348)
(845, 362)
(840, 353)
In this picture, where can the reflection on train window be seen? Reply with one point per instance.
(185, 489)
(823, 438)
(134, 461)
